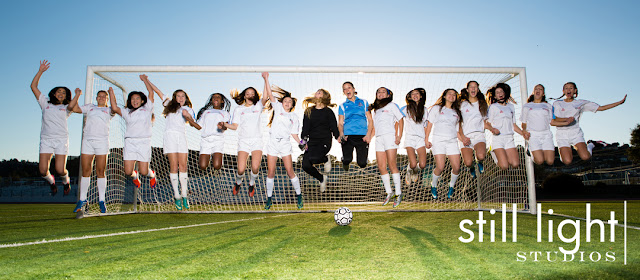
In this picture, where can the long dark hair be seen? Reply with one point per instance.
(226, 104)
(131, 94)
(507, 94)
(482, 102)
(568, 83)
(442, 101)
(416, 110)
(173, 105)
(380, 103)
(531, 97)
(283, 94)
(326, 100)
(52, 96)
(239, 97)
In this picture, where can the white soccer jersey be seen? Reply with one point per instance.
(472, 119)
(284, 123)
(138, 121)
(54, 119)
(209, 122)
(175, 121)
(502, 117)
(248, 120)
(413, 128)
(563, 109)
(96, 126)
(385, 118)
(537, 116)
(445, 122)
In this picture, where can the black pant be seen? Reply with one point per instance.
(316, 153)
(362, 150)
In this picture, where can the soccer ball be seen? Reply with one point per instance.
(343, 216)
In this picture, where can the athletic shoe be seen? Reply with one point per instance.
(252, 190)
(300, 201)
(236, 188)
(415, 176)
(178, 203)
(345, 166)
(66, 190)
(54, 189)
(79, 205)
(472, 170)
(398, 200)
(434, 193)
(408, 176)
(528, 152)
(386, 200)
(153, 182)
(323, 184)
(327, 166)
(136, 182)
(450, 193)
(480, 167)
(103, 207)
(185, 203)
(267, 206)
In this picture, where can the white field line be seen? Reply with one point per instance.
(44, 241)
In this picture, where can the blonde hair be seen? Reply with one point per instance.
(326, 100)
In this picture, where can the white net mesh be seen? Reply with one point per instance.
(359, 188)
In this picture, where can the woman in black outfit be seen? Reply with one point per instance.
(318, 126)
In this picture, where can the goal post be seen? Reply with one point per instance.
(359, 188)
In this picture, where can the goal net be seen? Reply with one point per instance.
(358, 188)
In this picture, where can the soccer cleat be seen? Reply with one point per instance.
(103, 207)
(185, 203)
(408, 176)
(252, 190)
(472, 170)
(136, 181)
(267, 206)
(236, 188)
(480, 167)
(323, 184)
(66, 190)
(54, 189)
(387, 199)
(153, 182)
(300, 201)
(327, 166)
(450, 193)
(434, 193)
(528, 152)
(178, 203)
(398, 200)
(79, 205)
(345, 166)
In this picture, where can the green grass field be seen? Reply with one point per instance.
(394, 245)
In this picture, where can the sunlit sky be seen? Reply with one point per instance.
(592, 43)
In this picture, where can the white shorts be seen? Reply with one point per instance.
(413, 141)
(568, 138)
(386, 142)
(476, 137)
(58, 146)
(175, 142)
(444, 146)
(249, 144)
(211, 145)
(95, 146)
(541, 140)
(138, 149)
(278, 147)
(502, 142)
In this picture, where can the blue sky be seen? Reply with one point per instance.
(593, 43)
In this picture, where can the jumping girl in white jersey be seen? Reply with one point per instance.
(177, 112)
(95, 144)
(284, 125)
(474, 109)
(54, 134)
(246, 120)
(137, 114)
(502, 123)
(444, 119)
(388, 124)
(416, 116)
(211, 120)
(572, 135)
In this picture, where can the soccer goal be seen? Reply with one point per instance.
(359, 188)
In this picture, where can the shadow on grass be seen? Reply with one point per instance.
(339, 231)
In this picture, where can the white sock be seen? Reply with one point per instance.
(270, 184)
(590, 147)
(239, 178)
(102, 188)
(386, 182)
(296, 185)
(66, 179)
(454, 178)
(434, 180)
(134, 175)
(151, 174)
(252, 180)
(397, 182)
(174, 183)
(49, 178)
(84, 187)
(184, 183)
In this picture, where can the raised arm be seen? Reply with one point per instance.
(114, 103)
(44, 65)
(74, 102)
(150, 88)
(612, 105)
(267, 88)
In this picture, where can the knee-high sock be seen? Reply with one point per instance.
(134, 175)
(270, 183)
(296, 184)
(151, 174)
(184, 183)
(454, 178)
(66, 179)
(386, 182)
(434, 180)
(102, 188)
(49, 178)
(252, 181)
(84, 187)
(397, 182)
(175, 181)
